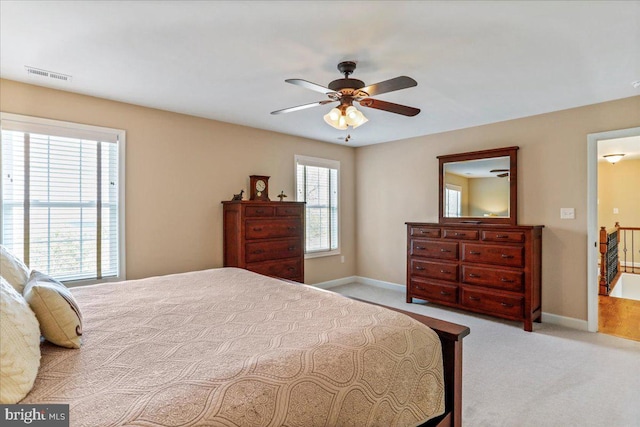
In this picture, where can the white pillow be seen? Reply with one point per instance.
(13, 270)
(19, 345)
(56, 309)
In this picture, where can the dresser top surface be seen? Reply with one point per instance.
(473, 225)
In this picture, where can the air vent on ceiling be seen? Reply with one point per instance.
(50, 74)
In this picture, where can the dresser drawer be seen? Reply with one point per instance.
(512, 256)
(435, 270)
(431, 232)
(263, 251)
(257, 229)
(503, 236)
(500, 279)
(504, 305)
(289, 210)
(286, 268)
(461, 234)
(434, 291)
(254, 211)
(437, 249)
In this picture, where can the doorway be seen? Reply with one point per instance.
(594, 142)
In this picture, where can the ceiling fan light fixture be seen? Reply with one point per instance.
(361, 120)
(613, 158)
(341, 118)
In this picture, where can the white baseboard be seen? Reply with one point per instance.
(554, 319)
(379, 283)
(337, 282)
(568, 322)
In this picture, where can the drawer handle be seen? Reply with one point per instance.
(421, 248)
(424, 232)
(502, 236)
(473, 275)
(504, 304)
(291, 228)
(259, 211)
(257, 228)
(258, 251)
(458, 234)
(445, 250)
(419, 268)
(292, 248)
(291, 268)
(445, 293)
(288, 211)
(420, 288)
(506, 280)
(474, 298)
(445, 271)
(505, 256)
(474, 253)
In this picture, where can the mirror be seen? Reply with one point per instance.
(479, 187)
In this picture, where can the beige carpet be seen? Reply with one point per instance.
(554, 376)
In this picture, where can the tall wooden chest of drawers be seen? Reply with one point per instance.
(489, 269)
(265, 237)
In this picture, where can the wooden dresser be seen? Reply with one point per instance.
(491, 269)
(265, 237)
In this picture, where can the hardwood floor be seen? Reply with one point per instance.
(619, 317)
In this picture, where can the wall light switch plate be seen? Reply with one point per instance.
(567, 213)
(616, 211)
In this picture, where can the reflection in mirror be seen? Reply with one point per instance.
(477, 188)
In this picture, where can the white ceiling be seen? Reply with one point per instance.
(475, 62)
(629, 146)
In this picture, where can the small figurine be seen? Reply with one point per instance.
(239, 195)
(282, 195)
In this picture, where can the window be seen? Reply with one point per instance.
(62, 193)
(317, 183)
(453, 201)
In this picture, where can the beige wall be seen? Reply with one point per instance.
(489, 195)
(618, 187)
(179, 168)
(552, 173)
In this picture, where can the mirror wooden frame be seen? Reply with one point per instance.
(511, 152)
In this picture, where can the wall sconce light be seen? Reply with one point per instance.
(613, 158)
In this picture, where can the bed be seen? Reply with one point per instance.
(227, 347)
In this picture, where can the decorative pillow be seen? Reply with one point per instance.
(19, 345)
(56, 310)
(13, 270)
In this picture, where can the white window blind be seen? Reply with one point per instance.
(453, 201)
(61, 198)
(317, 185)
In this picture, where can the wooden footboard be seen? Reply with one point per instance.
(451, 335)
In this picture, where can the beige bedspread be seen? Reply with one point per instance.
(227, 347)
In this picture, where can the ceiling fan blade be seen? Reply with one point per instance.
(498, 170)
(502, 175)
(302, 107)
(309, 85)
(390, 107)
(390, 85)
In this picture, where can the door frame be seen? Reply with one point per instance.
(592, 218)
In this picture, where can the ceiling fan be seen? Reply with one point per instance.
(501, 173)
(346, 91)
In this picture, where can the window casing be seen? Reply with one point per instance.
(317, 184)
(62, 192)
(453, 201)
